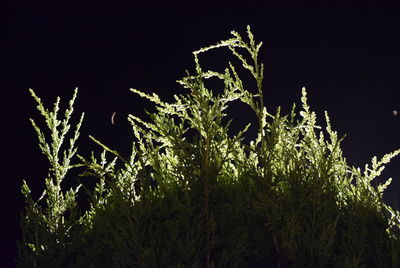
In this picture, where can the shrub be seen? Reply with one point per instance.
(192, 195)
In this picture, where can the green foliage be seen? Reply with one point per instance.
(50, 229)
(190, 195)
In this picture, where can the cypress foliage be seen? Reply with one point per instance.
(191, 195)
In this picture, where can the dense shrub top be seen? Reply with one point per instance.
(191, 195)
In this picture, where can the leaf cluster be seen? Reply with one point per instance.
(191, 195)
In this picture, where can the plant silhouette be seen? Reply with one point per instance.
(191, 195)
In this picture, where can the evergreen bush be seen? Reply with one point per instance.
(191, 195)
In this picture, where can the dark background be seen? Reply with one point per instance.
(347, 58)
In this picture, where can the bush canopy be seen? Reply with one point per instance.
(193, 195)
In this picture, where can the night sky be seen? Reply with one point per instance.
(348, 59)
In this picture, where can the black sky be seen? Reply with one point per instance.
(347, 58)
